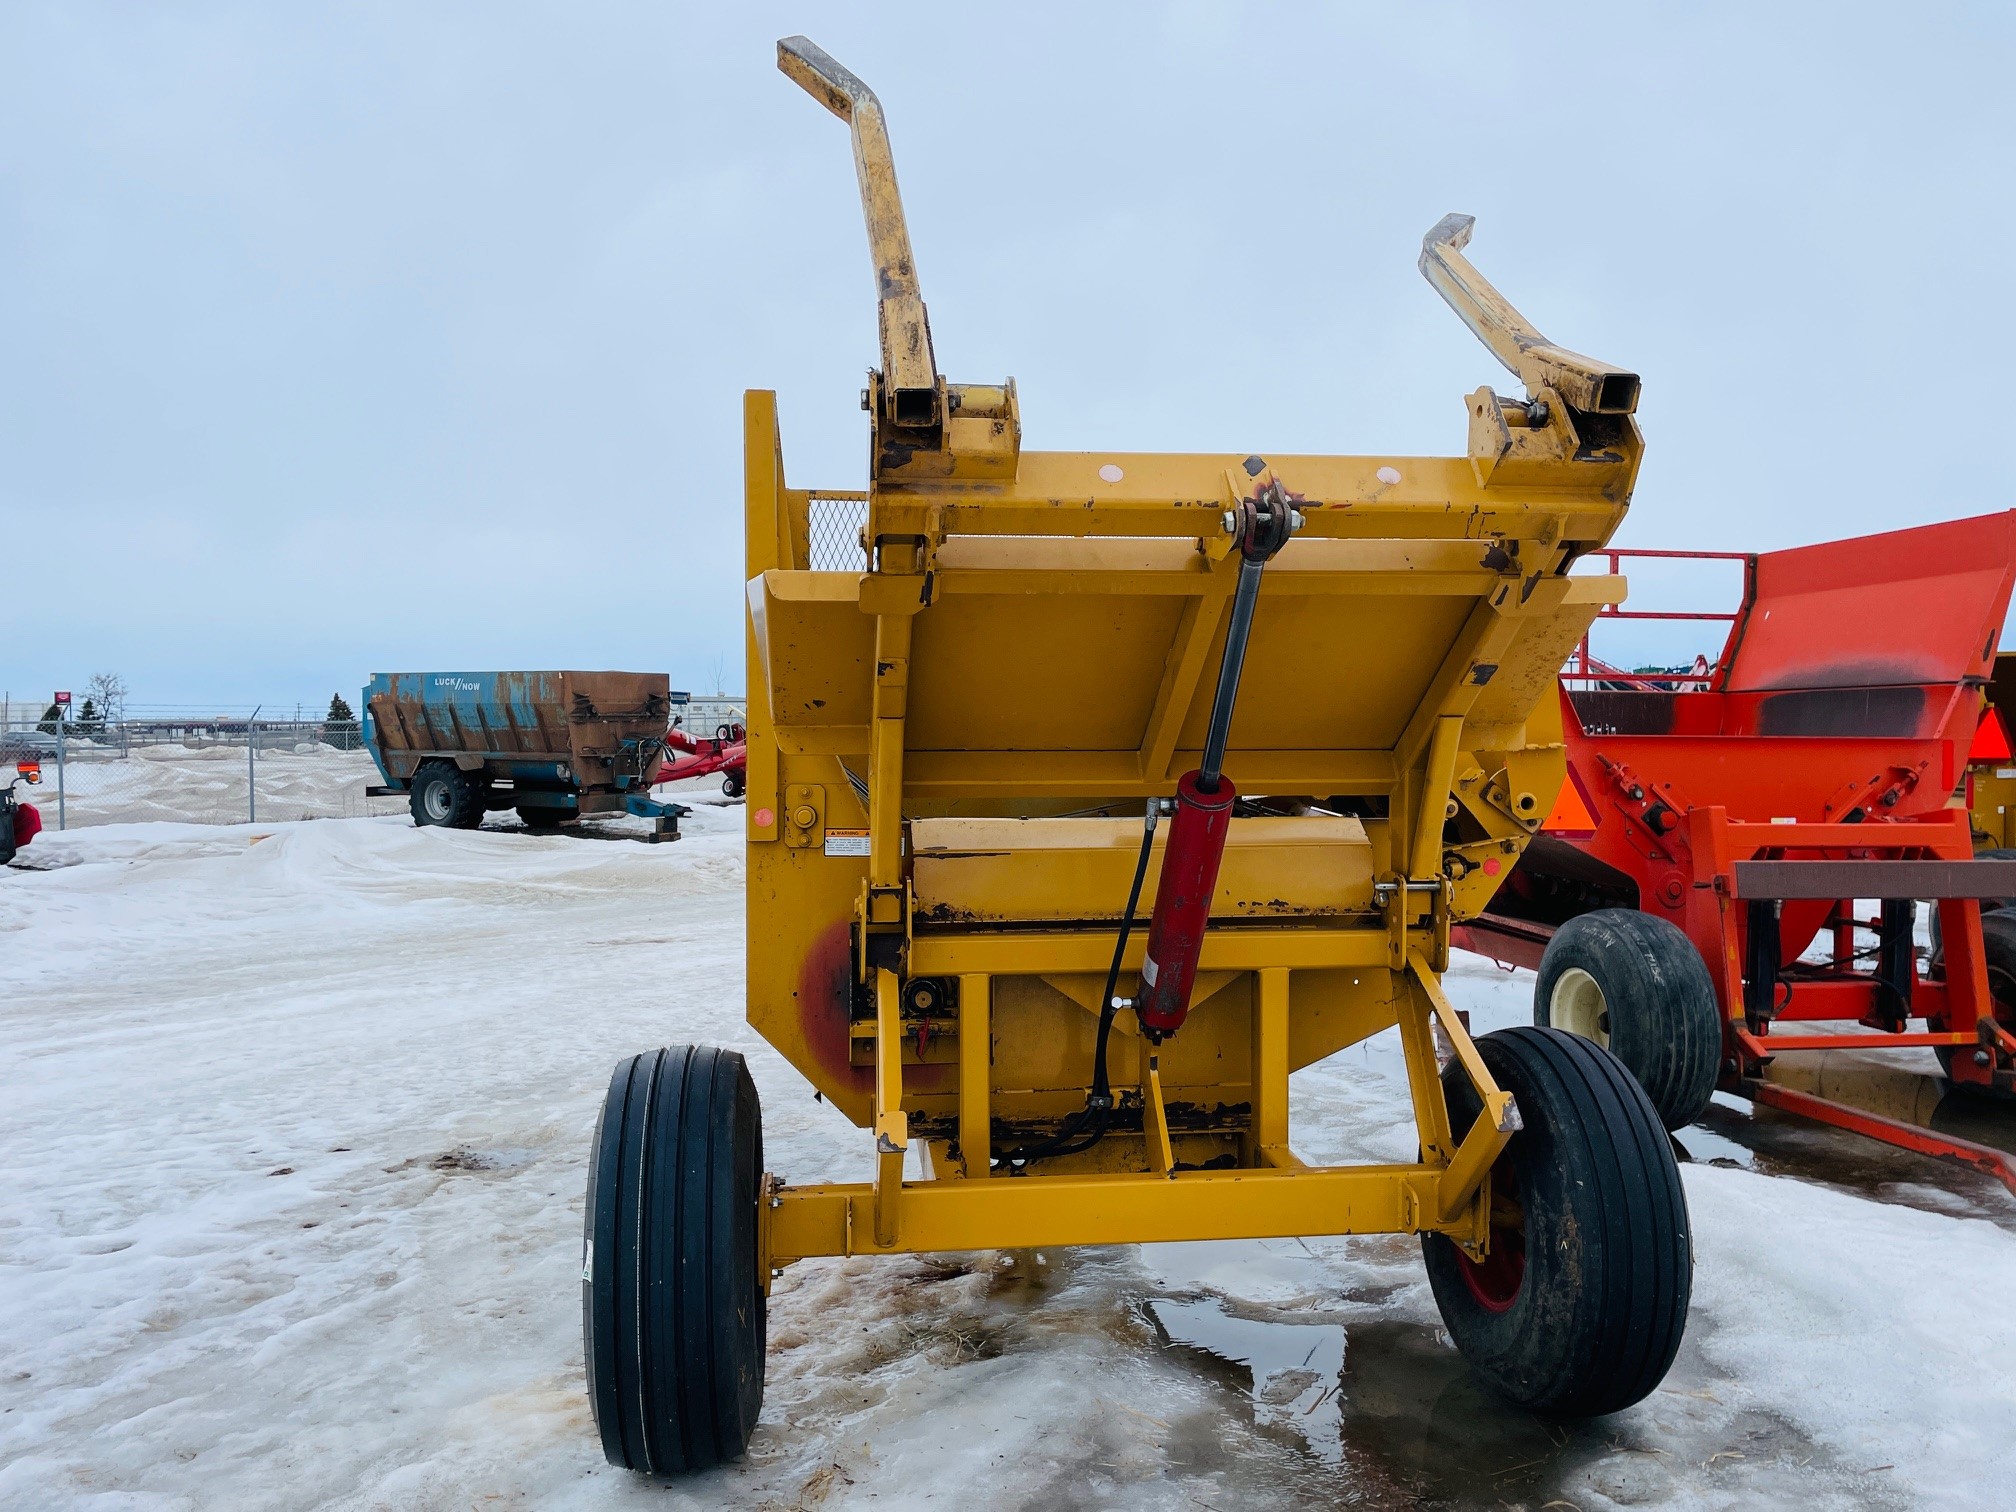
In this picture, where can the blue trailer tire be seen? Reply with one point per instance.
(673, 1313)
(445, 796)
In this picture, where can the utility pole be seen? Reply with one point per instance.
(251, 767)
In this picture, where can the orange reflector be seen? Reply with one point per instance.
(1991, 739)
(1571, 814)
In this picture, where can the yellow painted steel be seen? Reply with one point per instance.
(952, 743)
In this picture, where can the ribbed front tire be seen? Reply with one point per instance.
(1634, 984)
(1579, 1306)
(672, 1304)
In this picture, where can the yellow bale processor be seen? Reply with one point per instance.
(1093, 795)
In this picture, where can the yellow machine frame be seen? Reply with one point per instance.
(946, 744)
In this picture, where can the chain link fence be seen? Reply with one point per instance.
(190, 769)
(702, 717)
(194, 771)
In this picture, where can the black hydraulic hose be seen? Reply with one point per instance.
(1098, 1109)
(1102, 1091)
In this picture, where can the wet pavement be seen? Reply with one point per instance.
(1356, 1398)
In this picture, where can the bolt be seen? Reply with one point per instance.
(1982, 1058)
(804, 816)
(1230, 520)
(1294, 520)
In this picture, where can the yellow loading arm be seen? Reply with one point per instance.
(909, 378)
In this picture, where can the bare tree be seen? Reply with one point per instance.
(108, 691)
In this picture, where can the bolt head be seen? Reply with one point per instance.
(1982, 1057)
(804, 816)
(1230, 520)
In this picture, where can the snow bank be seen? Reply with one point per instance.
(208, 785)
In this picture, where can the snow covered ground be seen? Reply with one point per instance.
(294, 1122)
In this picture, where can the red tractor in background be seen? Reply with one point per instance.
(1692, 900)
(19, 822)
(726, 752)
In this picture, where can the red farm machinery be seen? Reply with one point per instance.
(1732, 870)
(725, 751)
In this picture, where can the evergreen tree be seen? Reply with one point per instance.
(340, 727)
(89, 725)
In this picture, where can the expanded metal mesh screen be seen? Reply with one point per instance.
(834, 527)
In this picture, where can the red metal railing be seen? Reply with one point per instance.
(1583, 667)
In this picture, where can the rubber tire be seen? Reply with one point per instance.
(734, 786)
(1599, 1311)
(672, 1306)
(1665, 1024)
(1998, 946)
(1987, 904)
(462, 793)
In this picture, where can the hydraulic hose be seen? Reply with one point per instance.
(1098, 1110)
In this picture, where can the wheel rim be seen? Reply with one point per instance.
(437, 801)
(1496, 1280)
(1578, 1006)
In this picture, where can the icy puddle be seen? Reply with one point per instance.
(295, 1134)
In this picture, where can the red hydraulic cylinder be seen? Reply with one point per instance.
(1183, 902)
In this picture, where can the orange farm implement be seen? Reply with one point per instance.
(1721, 824)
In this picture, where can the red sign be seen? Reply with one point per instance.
(62, 698)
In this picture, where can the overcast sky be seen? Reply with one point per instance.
(341, 339)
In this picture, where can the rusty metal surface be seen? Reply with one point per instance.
(577, 719)
(1871, 878)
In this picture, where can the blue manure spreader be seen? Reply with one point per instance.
(551, 745)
